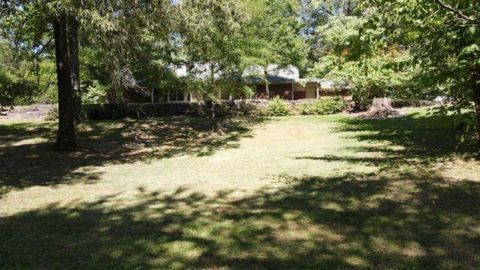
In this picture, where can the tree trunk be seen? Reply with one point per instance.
(73, 53)
(66, 119)
(381, 108)
(210, 103)
(210, 107)
(267, 88)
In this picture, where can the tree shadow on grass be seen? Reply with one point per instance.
(28, 158)
(415, 140)
(361, 221)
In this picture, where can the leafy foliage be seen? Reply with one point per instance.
(400, 49)
(23, 82)
(95, 93)
(272, 34)
(356, 56)
(277, 107)
(444, 40)
(323, 106)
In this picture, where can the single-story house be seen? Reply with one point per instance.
(285, 83)
(266, 83)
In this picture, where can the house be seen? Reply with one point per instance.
(266, 83)
(285, 83)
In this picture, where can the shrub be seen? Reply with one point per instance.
(245, 109)
(16, 92)
(323, 106)
(148, 110)
(96, 93)
(277, 107)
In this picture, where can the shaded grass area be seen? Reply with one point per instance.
(410, 221)
(416, 139)
(29, 159)
(407, 216)
(420, 135)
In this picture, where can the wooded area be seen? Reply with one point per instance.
(375, 48)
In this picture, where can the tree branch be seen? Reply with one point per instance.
(325, 10)
(457, 11)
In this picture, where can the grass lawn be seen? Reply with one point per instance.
(326, 192)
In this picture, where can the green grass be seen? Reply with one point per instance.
(326, 192)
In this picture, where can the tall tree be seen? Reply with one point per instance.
(353, 52)
(66, 124)
(272, 35)
(444, 38)
(25, 38)
(317, 13)
(120, 27)
(74, 58)
(212, 47)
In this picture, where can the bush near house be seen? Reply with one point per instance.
(277, 107)
(323, 106)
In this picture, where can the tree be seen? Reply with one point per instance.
(66, 121)
(212, 47)
(74, 57)
(220, 39)
(316, 13)
(354, 53)
(443, 36)
(272, 35)
(121, 27)
(18, 84)
(26, 69)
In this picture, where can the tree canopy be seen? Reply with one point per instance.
(444, 40)
(374, 48)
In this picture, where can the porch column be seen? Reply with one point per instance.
(153, 96)
(293, 92)
(318, 90)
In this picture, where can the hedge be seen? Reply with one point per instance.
(150, 110)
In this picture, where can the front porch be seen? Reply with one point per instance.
(289, 91)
